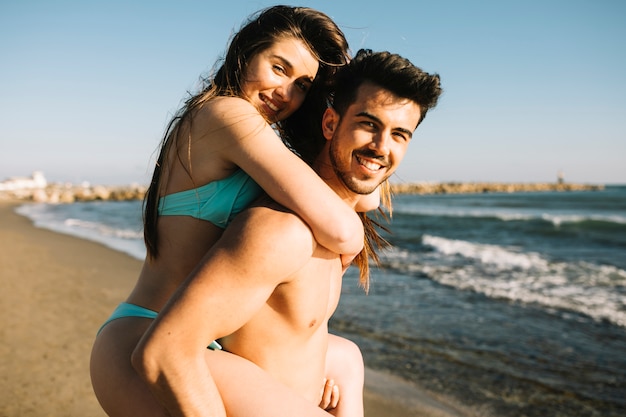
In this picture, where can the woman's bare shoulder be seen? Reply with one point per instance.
(230, 107)
(228, 117)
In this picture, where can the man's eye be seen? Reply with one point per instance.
(402, 137)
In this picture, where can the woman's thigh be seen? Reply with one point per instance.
(247, 390)
(119, 389)
(344, 365)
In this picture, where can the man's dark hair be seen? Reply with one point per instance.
(389, 71)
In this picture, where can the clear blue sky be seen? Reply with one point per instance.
(532, 87)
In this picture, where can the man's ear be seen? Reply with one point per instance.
(330, 121)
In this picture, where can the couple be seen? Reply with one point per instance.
(268, 286)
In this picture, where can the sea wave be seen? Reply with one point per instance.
(123, 235)
(556, 219)
(597, 291)
(103, 229)
(487, 254)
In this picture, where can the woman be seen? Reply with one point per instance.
(214, 153)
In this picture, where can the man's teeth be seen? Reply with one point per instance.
(368, 164)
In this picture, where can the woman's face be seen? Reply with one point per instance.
(278, 78)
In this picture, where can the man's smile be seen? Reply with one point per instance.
(368, 163)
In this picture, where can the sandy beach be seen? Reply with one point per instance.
(58, 289)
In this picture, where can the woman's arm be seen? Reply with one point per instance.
(369, 202)
(250, 143)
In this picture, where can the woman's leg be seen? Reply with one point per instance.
(245, 388)
(344, 365)
(119, 389)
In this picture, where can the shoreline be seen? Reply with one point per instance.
(58, 291)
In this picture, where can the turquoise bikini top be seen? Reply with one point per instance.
(217, 202)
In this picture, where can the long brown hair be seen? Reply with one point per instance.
(315, 29)
(374, 242)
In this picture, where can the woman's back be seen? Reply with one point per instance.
(199, 197)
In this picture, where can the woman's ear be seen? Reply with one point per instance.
(330, 120)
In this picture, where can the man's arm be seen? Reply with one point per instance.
(258, 251)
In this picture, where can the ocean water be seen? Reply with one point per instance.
(513, 304)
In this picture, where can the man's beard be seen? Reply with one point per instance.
(351, 183)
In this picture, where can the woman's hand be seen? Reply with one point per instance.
(329, 395)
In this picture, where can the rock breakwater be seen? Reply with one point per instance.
(488, 187)
(68, 193)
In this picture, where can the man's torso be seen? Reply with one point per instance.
(288, 336)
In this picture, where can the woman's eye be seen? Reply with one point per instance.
(304, 86)
(279, 68)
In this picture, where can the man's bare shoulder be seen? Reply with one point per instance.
(271, 218)
(268, 232)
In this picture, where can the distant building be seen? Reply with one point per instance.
(37, 180)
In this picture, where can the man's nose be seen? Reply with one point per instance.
(380, 143)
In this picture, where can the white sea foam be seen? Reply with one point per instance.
(487, 254)
(103, 229)
(127, 239)
(556, 218)
(526, 277)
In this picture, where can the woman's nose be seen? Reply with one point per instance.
(284, 91)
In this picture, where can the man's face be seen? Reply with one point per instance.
(371, 138)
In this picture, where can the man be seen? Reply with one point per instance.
(267, 289)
